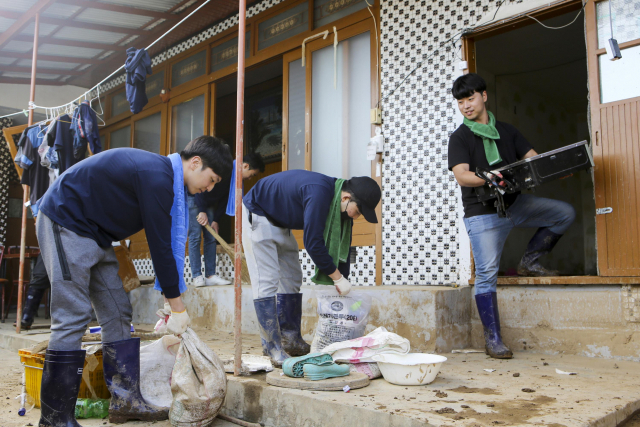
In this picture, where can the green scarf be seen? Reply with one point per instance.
(337, 236)
(489, 134)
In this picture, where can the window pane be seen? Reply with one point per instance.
(296, 135)
(626, 21)
(326, 11)
(341, 124)
(119, 104)
(120, 138)
(146, 133)
(619, 79)
(187, 122)
(280, 27)
(154, 84)
(188, 69)
(226, 53)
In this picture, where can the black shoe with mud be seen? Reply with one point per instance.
(61, 377)
(289, 319)
(488, 310)
(121, 362)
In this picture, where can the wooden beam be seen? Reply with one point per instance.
(14, 69)
(42, 57)
(26, 81)
(91, 26)
(72, 43)
(117, 8)
(23, 20)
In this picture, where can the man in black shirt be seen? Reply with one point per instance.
(481, 141)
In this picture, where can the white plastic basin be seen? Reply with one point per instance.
(409, 369)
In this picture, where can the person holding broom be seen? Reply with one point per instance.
(108, 197)
(322, 206)
(210, 206)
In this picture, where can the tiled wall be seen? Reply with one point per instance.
(7, 174)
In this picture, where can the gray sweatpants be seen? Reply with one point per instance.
(272, 257)
(82, 274)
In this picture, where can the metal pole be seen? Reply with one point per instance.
(25, 195)
(237, 324)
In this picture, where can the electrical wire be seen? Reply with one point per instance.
(574, 19)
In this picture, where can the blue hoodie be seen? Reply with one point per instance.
(138, 65)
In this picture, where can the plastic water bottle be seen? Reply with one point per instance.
(92, 408)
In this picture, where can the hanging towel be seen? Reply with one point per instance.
(179, 220)
(137, 66)
(489, 135)
(337, 236)
(231, 203)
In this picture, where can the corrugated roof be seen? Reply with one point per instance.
(60, 11)
(45, 29)
(107, 53)
(107, 17)
(128, 40)
(28, 75)
(157, 5)
(76, 52)
(7, 61)
(17, 46)
(155, 24)
(49, 64)
(17, 5)
(5, 23)
(83, 34)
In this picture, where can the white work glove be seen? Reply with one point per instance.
(164, 312)
(343, 286)
(178, 323)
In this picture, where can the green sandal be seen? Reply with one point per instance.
(315, 373)
(293, 366)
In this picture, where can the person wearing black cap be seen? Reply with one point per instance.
(322, 206)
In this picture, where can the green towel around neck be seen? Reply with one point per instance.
(489, 134)
(337, 236)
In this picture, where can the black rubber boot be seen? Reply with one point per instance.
(540, 244)
(269, 330)
(488, 309)
(30, 310)
(289, 319)
(61, 377)
(121, 363)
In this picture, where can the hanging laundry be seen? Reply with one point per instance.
(138, 66)
(85, 129)
(63, 143)
(34, 174)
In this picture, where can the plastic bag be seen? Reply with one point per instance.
(161, 325)
(198, 384)
(362, 349)
(156, 366)
(340, 317)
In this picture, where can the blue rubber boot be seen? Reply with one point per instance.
(61, 377)
(289, 319)
(488, 310)
(121, 363)
(319, 372)
(269, 330)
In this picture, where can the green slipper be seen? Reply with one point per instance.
(293, 365)
(315, 373)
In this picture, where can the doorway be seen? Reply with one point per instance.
(262, 117)
(537, 81)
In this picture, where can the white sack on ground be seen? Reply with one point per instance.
(156, 366)
(362, 349)
(198, 384)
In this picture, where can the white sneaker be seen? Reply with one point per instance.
(216, 280)
(199, 282)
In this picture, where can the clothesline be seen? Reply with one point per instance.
(88, 93)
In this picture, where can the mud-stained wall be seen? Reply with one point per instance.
(583, 320)
(433, 319)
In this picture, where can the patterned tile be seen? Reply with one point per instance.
(7, 174)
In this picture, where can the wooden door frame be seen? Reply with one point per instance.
(287, 58)
(187, 96)
(162, 109)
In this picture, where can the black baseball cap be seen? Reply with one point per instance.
(368, 193)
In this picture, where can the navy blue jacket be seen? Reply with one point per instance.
(298, 200)
(137, 66)
(113, 195)
(216, 198)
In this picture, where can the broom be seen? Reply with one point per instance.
(244, 272)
